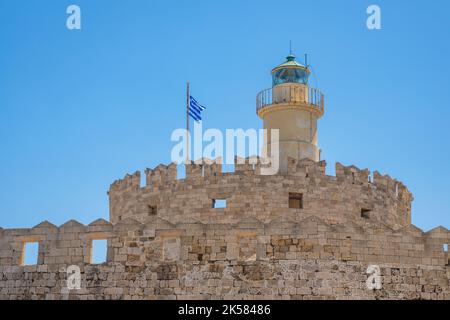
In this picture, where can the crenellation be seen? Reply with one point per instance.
(158, 176)
(148, 177)
(45, 226)
(352, 174)
(385, 183)
(306, 168)
(247, 166)
(435, 241)
(194, 170)
(72, 226)
(163, 174)
(212, 169)
(133, 182)
(129, 182)
(100, 225)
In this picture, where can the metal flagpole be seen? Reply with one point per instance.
(187, 121)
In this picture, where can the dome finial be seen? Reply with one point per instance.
(291, 56)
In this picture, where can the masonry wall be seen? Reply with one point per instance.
(334, 199)
(166, 241)
(281, 259)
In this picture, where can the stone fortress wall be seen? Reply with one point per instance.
(334, 199)
(166, 241)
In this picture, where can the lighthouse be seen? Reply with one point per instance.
(292, 107)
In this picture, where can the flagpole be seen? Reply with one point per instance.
(187, 122)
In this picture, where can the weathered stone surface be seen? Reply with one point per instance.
(166, 241)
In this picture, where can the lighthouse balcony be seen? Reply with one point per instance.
(290, 96)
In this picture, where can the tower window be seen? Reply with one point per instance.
(445, 247)
(296, 200)
(99, 248)
(30, 253)
(152, 210)
(219, 203)
(365, 213)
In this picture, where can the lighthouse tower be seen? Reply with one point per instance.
(294, 108)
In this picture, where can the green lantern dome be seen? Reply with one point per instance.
(290, 72)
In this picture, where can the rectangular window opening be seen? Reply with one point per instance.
(445, 247)
(365, 213)
(30, 253)
(152, 210)
(296, 200)
(219, 203)
(99, 251)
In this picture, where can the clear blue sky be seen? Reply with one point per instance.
(79, 109)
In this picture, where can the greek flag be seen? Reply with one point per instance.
(195, 109)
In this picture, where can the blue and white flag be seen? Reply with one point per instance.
(195, 109)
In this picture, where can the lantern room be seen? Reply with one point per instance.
(290, 72)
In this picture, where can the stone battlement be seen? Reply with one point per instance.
(279, 259)
(301, 235)
(344, 197)
(70, 242)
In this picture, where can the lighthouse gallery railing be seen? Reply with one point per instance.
(290, 94)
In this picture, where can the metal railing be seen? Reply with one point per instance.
(290, 94)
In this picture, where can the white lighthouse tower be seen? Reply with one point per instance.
(294, 108)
